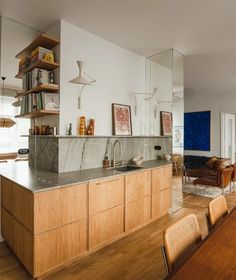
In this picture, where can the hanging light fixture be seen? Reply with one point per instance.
(5, 122)
(82, 80)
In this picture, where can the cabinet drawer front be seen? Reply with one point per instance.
(165, 201)
(58, 246)
(23, 206)
(161, 178)
(161, 202)
(59, 207)
(104, 195)
(6, 193)
(137, 186)
(106, 225)
(137, 213)
(7, 226)
(23, 245)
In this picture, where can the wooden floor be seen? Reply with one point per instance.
(136, 256)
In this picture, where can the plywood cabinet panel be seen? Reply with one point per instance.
(106, 225)
(161, 202)
(137, 186)
(165, 201)
(57, 246)
(23, 206)
(6, 193)
(7, 226)
(59, 207)
(137, 213)
(161, 178)
(23, 245)
(106, 194)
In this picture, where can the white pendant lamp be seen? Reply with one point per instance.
(5, 122)
(82, 80)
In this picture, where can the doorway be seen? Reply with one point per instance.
(228, 136)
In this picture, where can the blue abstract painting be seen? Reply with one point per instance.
(197, 130)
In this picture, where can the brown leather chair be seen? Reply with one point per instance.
(180, 239)
(222, 180)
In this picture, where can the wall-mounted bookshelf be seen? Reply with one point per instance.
(35, 85)
(39, 64)
(38, 114)
(48, 88)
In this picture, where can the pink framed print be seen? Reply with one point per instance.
(121, 120)
(166, 123)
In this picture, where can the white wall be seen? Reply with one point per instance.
(118, 72)
(216, 104)
(14, 38)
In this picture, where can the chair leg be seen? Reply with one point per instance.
(165, 260)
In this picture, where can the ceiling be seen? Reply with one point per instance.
(202, 30)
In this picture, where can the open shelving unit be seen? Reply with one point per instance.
(48, 42)
(38, 114)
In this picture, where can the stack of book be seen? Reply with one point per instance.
(24, 64)
(34, 102)
(37, 77)
(38, 54)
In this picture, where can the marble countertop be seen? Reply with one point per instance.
(36, 180)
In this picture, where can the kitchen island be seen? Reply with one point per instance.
(50, 219)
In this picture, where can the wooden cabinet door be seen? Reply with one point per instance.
(161, 178)
(7, 226)
(23, 245)
(59, 207)
(165, 201)
(137, 213)
(6, 193)
(137, 185)
(105, 226)
(58, 246)
(161, 202)
(106, 194)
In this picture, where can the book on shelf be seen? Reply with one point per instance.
(37, 77)
(39, 54)
(35, 102)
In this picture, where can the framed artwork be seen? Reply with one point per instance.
(178, 136)
(197, 131)
(166, 123)
(51, 101)
(121, 119)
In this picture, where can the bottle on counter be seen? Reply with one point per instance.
(106, 162)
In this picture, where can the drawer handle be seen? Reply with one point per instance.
(108, 181)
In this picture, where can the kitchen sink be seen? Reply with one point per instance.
(127, 168)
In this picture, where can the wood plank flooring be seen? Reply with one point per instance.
(136, 256)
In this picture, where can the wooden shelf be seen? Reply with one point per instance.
(42, 40)
(49, 88)
(38, 114)
(39, 64)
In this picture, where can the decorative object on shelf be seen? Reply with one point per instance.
(90, 129)
(5, 122)
(166, 123)
(167, 156)
(137, 160)
(81, 80)
(178, 136)
(121, 120)
(69, 132)
(49, 57)
(82, 126)
(51, 101)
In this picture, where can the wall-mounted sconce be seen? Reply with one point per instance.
(82, 80)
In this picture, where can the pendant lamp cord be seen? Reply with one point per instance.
(3, 91)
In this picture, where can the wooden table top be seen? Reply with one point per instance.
(215, 258)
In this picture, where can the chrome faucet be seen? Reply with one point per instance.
(115, 163)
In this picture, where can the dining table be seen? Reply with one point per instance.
(215, 257)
